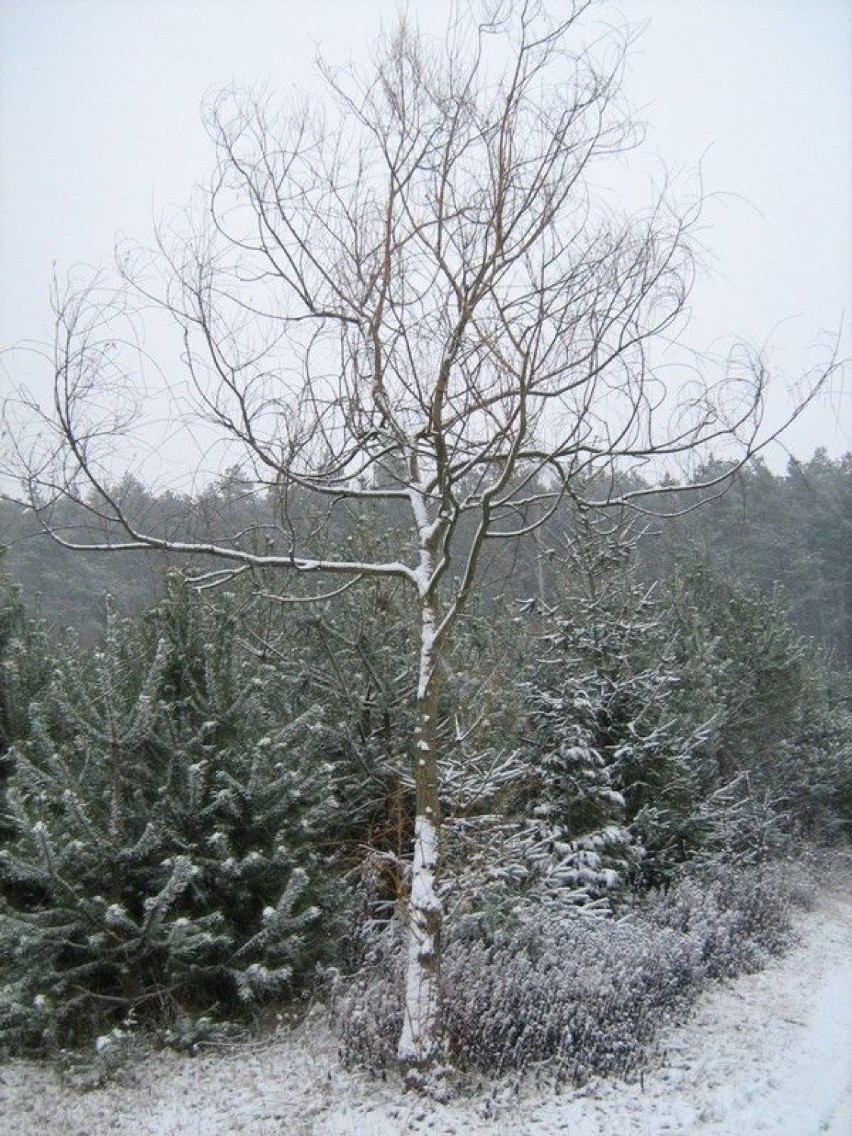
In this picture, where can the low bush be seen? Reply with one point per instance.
(584, 996)
(735, 921)
(587, 995)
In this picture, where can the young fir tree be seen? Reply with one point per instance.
(778, 746)
(608, 759)
(25, 663)
(616, 763)
(586, 742)
(169, 814)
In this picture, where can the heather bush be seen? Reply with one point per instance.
(736, 921)
(583, 995)
(575, 995)
(587, 996)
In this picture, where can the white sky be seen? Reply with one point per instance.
(100, 130)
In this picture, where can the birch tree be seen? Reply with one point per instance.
(414, 293)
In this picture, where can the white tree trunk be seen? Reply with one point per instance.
(420, 1041)
(421, 1038)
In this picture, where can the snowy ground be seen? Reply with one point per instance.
(769, 1055)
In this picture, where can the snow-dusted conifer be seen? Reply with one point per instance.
(600, 742)
(168, 815)
(777, 750)
(24, 669)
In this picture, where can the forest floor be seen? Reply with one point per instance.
(769, 1054)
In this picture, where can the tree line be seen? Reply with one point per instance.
(788, 531)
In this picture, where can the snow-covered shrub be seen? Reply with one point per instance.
(736, 919)
(584, 995)
(581, 995)
(366, 1009)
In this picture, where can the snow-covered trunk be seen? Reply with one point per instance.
(421, 1038)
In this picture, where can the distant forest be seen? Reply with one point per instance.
(791, 533)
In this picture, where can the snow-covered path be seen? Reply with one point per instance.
(769, 1055)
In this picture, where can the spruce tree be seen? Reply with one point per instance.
(170, 854)
(24, 671)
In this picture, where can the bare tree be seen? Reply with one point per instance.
(416, 294)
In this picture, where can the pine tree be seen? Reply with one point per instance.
(24, 671)
(171, 815)
(779, 739)
(603, 738)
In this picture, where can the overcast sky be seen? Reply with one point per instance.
(100, 131)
